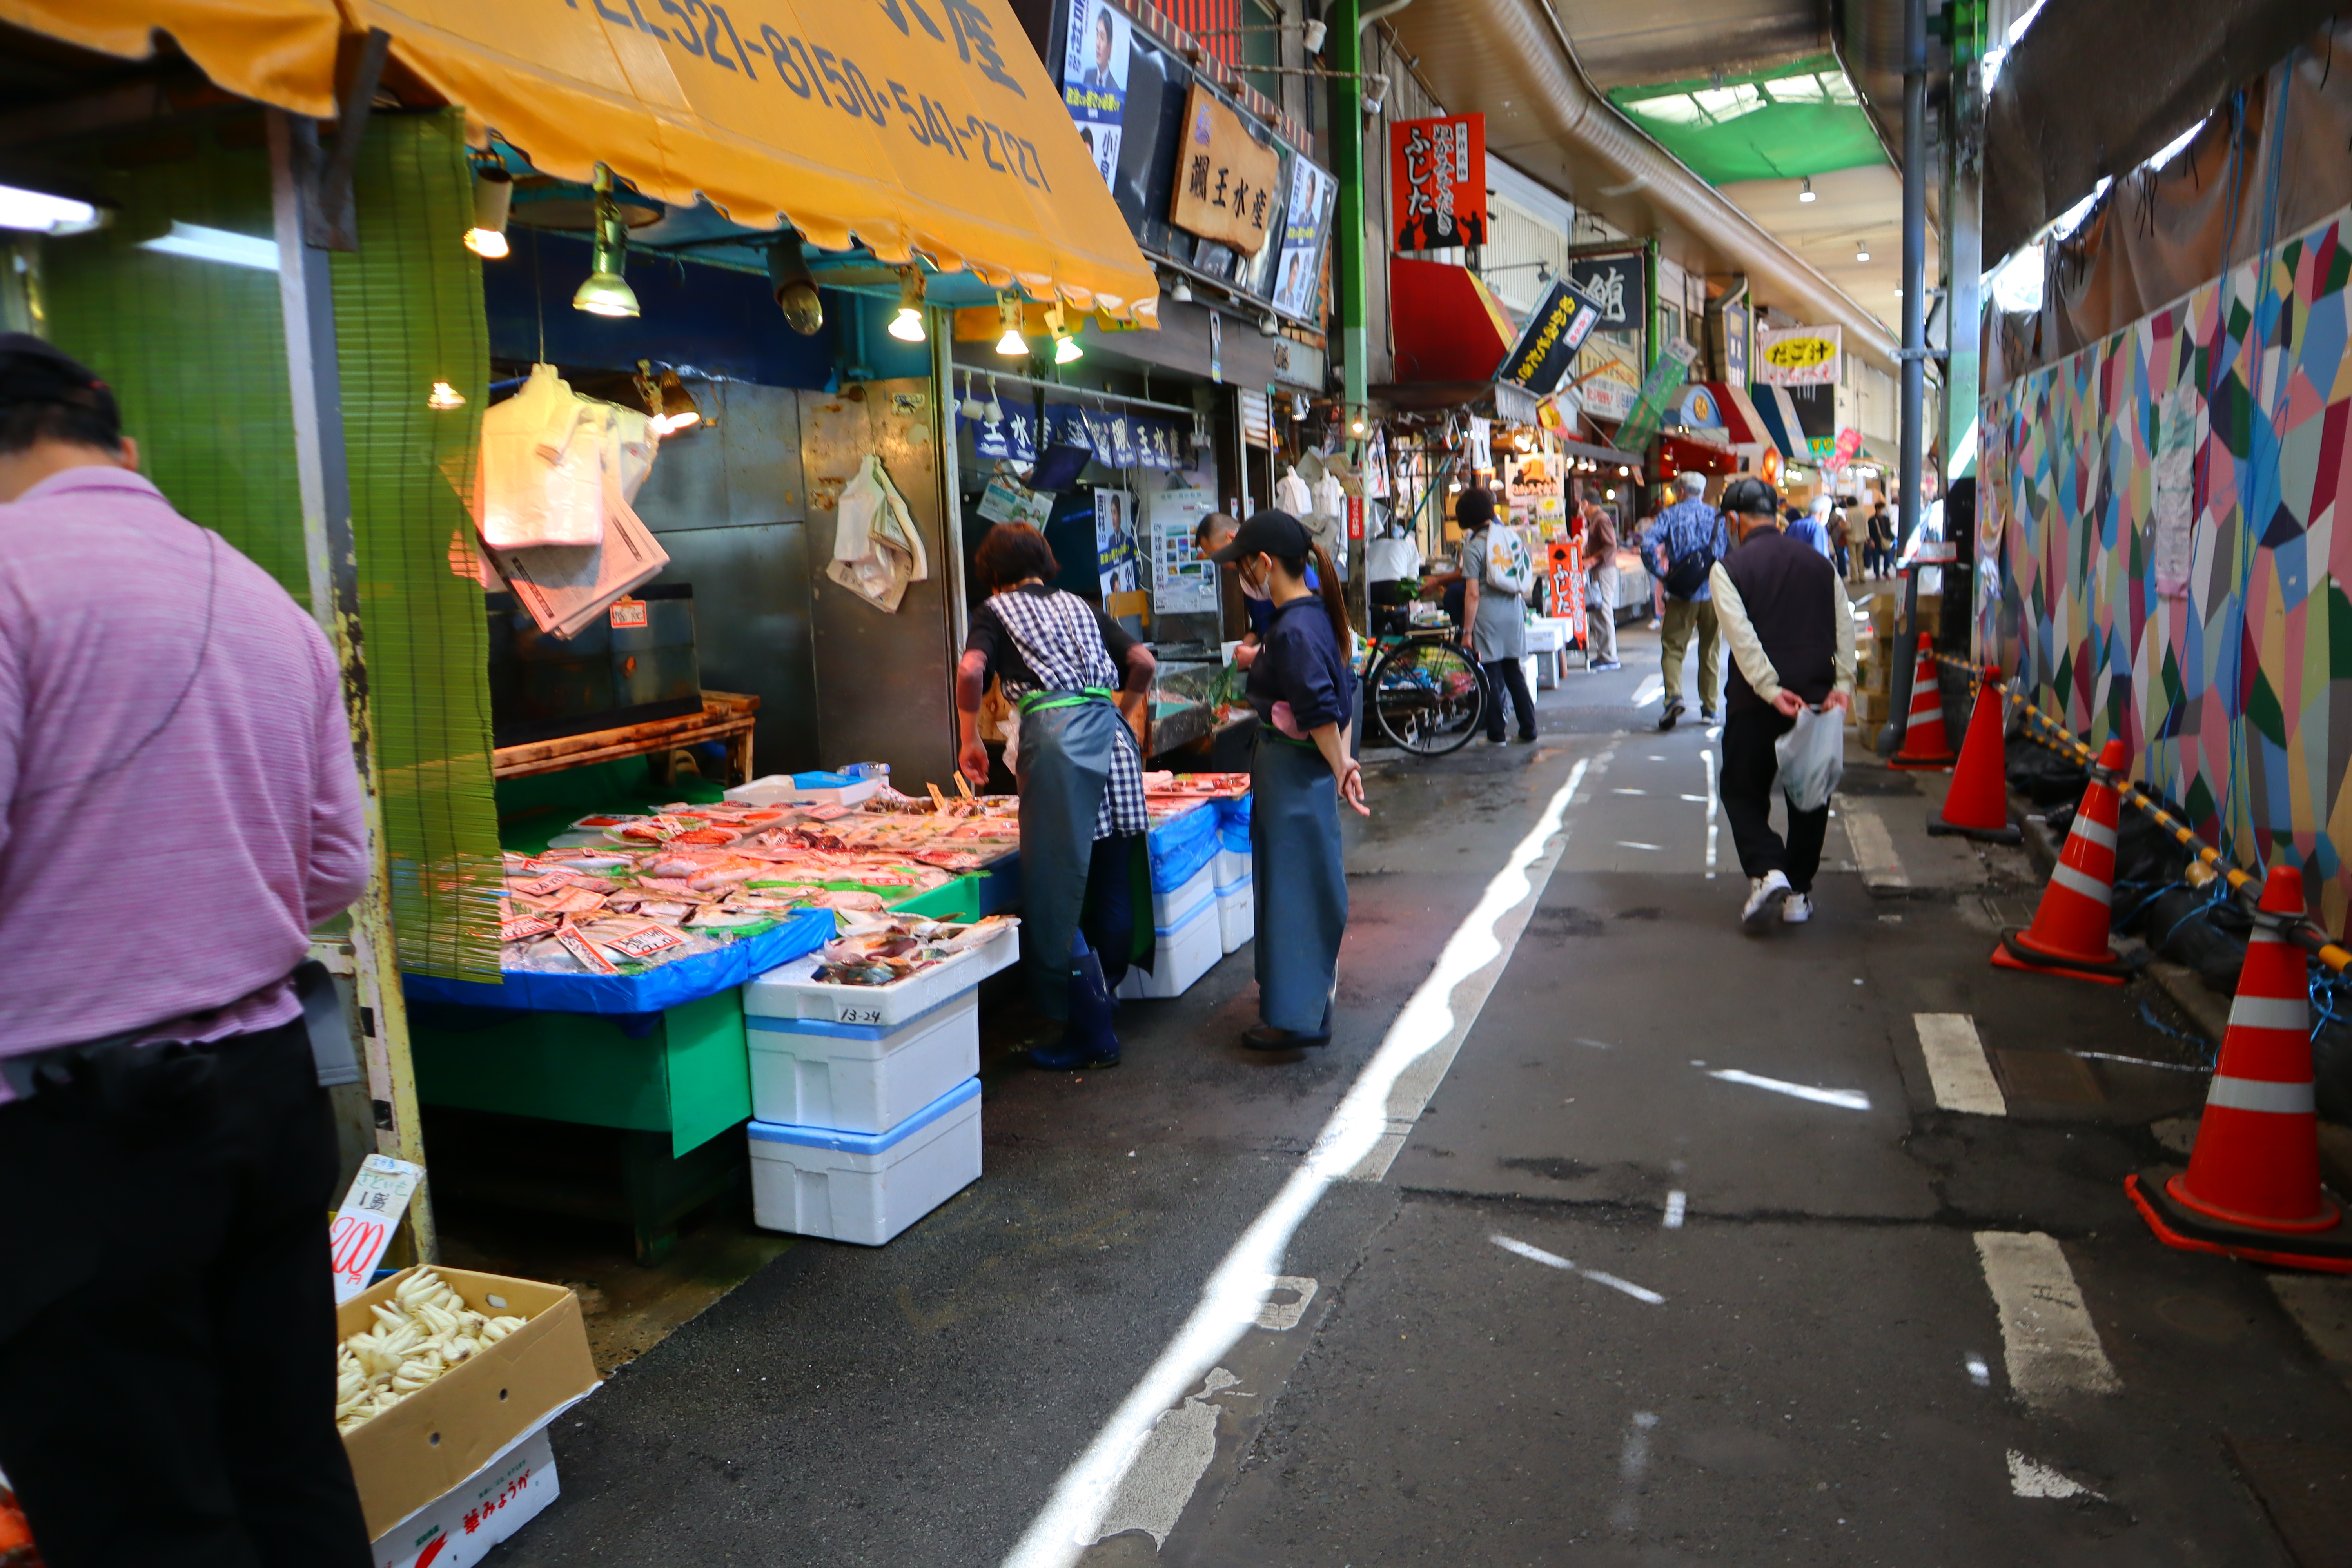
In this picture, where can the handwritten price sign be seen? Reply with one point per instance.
(362, 1227)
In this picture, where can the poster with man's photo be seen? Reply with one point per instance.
(1300, 270)
(1093, 79)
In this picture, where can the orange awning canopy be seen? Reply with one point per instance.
(911, 127)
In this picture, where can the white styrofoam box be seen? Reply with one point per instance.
(775, 789)
(790, 990)
(1230, 868)
(1173, 908)
(457, 1528)
(865, 1187)
(1236, 915)
(1186, 953)
(861, 1078)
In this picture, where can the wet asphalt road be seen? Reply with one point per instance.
(1505, 1353)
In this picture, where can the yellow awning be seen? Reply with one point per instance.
(909, 126)
(281, 52)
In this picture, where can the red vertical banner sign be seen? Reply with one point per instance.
(1437, 181)
(1567, 586)
(1355, 519)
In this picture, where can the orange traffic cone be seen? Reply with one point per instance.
(2069, 934)
(2251, 1189)
(1925, 744)
(1977, 806)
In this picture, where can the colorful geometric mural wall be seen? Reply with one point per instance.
(2175, 563)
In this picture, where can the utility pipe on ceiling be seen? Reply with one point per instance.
(1517, 49)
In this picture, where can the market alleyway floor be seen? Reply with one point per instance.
(1682, 1256)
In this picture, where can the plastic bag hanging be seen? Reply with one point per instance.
(1291, 495)
(1811, 757)
(877, 549)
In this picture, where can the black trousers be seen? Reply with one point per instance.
(167, 1316)
(1749, 773)
(1509, 675)
(1109, 917)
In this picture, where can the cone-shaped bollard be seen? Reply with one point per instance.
(1977, 806)
(2251, 1189)
(2069, 934)
(1925, 744)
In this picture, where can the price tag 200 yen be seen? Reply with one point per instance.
(362, 1227)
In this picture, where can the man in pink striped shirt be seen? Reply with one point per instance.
(178, 808)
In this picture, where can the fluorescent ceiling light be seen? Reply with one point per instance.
(201, 244)
(44, 214)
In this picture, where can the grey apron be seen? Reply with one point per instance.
(1300, 887)
(1067, 744)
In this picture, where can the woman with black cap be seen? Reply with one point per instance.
(1303, 692)
(1063, 663)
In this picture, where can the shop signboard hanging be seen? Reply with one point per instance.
(1609, 374)
(1614, 285)
(1735, 343)
(1566, 561)
(1664, 380)
(1094, 80)
(1798, 356)
(1548, 344)
(1532, 490)
(1229, 185)
(1305, 222)
(1437, 180)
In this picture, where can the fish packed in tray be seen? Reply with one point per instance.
(880, 949)
(1158, 786)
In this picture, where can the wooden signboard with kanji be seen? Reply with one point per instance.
(1228, 184)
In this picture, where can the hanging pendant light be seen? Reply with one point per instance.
(493, 196)
(1065, 347)
(673, 407)
(1806, 195)
(907, 326)
(606, 292)
(1008, 316)
(794, 289)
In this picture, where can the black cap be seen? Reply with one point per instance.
(1270, 533)
(34, 370)
(1748, 495)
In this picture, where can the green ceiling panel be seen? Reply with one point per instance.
(1782, 123)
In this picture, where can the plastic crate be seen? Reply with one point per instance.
(860, 1187)
(860, 1078)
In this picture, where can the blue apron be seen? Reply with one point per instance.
(1299, 888)
(1067, 741)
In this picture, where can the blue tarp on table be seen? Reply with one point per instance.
(667, 986)
(1181, 845)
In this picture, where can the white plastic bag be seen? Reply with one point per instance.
(1812, 758)
(1291, 494)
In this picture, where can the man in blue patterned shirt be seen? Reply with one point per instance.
(1682, 547)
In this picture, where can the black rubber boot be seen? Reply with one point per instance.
(1087, 1042)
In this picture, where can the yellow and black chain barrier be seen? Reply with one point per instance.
(2045, 730)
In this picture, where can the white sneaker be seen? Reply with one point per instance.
(1798, 909)
(1766, 895)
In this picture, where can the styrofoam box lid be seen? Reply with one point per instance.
(953, 1099)
(792, 990)
(1207, 907)
(1231, 891)
(776, 788)
(761, 1023)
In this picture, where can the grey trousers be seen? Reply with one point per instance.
(1601, 615)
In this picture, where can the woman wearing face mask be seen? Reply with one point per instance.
(1303, 691)
(1216, 530)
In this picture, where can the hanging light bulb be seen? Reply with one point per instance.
(794, 289)
(444, 397)
(1008, 315)
(493, 195)
(673, 407)
(1806, 193)
(972, 409)
(1065, 347)
(907, 326)
(1181, 291)
(995, 410)
(1298, 406)
(1862, 250)
(1356, 426)
(606, 292)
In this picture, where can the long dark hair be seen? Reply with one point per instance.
(1335, 602)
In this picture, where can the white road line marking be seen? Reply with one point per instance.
(1873, 851)
(1677, 1204)
(1692, 799)
(1554, 1260)
(1623, 790)
(2048, 1341)
(1596, 1045)
(1630, 844)
(1844, 1099)
(2031, 1478)
(1283, 1316)
(1632, 1464)
(1980, 1370)
(1957, 1065)
(1713, 805)
(1653, 687)
(1355, 1144)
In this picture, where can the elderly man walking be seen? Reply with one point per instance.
(1683, 547)
(1784, 612)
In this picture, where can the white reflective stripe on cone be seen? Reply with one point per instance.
(2098, 833)
(2270, 1012)
(2077, 881)
(2261, 1094)
(2265, 933)
(1921, 715)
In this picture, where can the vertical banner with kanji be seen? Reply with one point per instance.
(1437, 181)
(1567, 562)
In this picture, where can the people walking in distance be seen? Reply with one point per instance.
(1600, 586)
(1784, 614)
(1496, 572)
(1682, 548)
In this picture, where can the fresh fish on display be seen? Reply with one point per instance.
(577, 901)
(523, 928)
(585, 953)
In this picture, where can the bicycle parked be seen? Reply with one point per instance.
(1423, 692)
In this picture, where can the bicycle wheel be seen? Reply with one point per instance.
(1427, 696)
